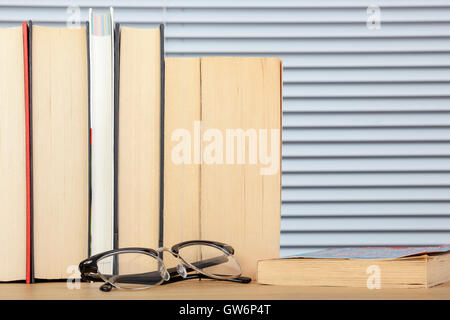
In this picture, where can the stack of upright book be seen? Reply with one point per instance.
(106, 144)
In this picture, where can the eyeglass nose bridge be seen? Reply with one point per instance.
(162, 249)
(181, 270)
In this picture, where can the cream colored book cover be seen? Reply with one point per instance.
(139, 137)
(223, 154)
(60, 149)
(13, 195)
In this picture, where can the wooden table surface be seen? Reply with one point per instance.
(214, 290)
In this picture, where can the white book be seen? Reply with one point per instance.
(101, 52)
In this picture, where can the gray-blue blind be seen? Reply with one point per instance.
(366, 111)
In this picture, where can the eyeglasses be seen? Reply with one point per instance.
(142, 268)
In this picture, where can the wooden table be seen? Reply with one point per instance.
(207, 289)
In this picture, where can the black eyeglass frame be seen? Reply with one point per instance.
(89, 268)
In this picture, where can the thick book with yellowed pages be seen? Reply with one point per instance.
(371, 267)
(139, 139)
(13, 179)
(60, 149)
(241, 188)
(223, 154)
(181, 178)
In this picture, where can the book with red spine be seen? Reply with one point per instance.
(27, 69)
(15, 192)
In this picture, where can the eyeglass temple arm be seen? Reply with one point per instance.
(177, 278)
(106, 287)
(142, 278)
(174, 276)
(137, 279)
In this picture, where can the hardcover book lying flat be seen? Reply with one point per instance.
(101, 51)
(372, 267)
(15, 217)
(60, 149)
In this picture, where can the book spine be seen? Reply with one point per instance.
(116, 40)
(161, 142)
(113, 133)
(26, 30)
(88, 39)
